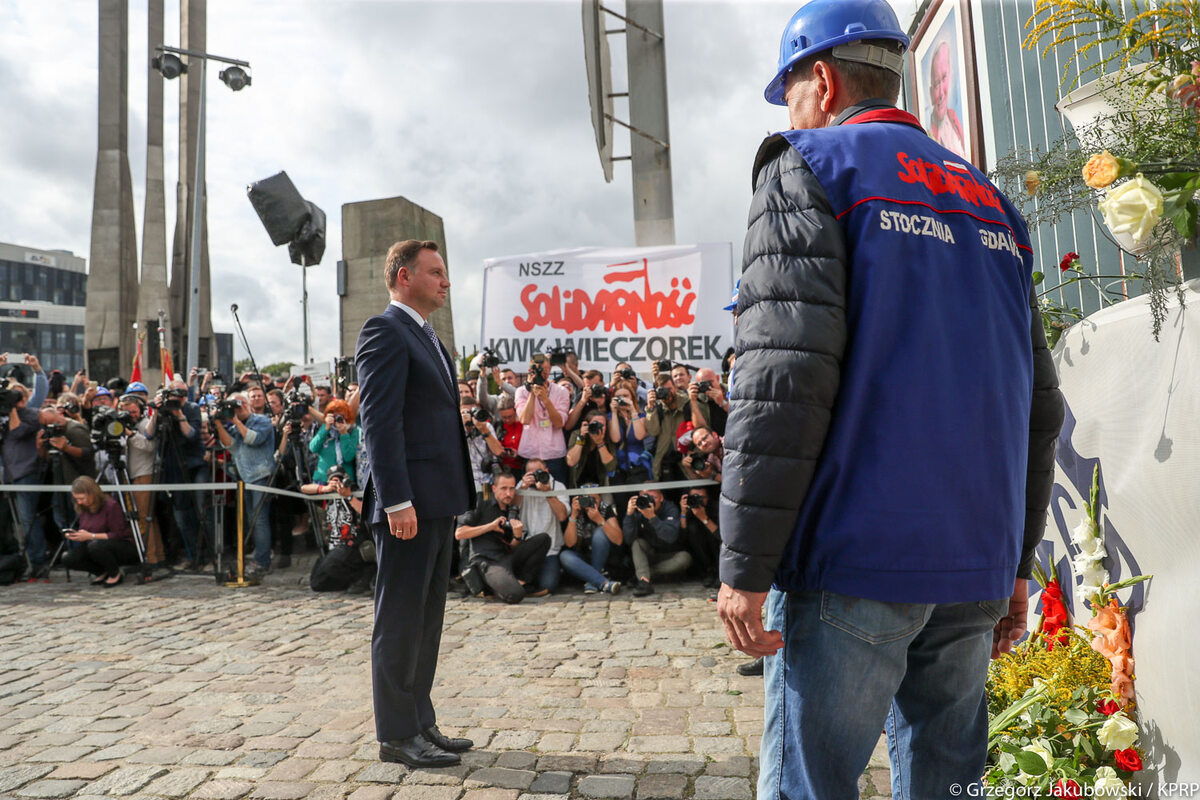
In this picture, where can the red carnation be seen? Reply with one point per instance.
(1068, 261)
(1065, 787)
(1054, 616)
(1128, 760)
(1108, 707)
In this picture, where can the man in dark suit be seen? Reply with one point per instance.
(420, 478)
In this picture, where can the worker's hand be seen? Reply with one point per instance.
(741, 614)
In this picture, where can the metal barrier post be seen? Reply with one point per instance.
(241, 581)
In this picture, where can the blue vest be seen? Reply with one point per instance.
(919, 494)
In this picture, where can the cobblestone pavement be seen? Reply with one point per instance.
(186, 689)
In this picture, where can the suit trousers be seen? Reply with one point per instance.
(410, 603)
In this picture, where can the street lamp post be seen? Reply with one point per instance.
(236, 78)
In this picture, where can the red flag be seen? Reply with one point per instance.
(135, 374)
(167, 371)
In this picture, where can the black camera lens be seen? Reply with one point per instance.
(703, 386)
(596, 390)
(586, 501)
(663, 365)
(541, 476)
(696, 500)
(627, 373)
(480, 414)
(595, 426)
(644, 501)
(698, 461)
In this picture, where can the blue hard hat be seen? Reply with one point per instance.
(824, 24)
(733, 300)
(102, 391)
(136, 386)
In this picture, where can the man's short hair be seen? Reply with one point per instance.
(593, 374)
(277, 394)
(863, 81)
(402, 254)
(505, 473)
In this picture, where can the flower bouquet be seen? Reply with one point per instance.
(1062, 716)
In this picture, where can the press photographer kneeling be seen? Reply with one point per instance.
(509, 563)
(652, 524)
(349, 564)
(591, 534)
(103, 541)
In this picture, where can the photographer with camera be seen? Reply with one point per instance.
(666, 410)
(67, 447)
(624, 374)
(102, 532)
(542, 409)
(627, 432)
(22, 467)
(175, 426)
(26, 370)
(701, 532)
(336, 441)
(508, 431)
(707, 402)
(509, 562)
(139, 461)
(593, 397)
(349, 563)
(706, 451)
(276, 403)
(487, 362)
(543, 515)
(590, 457)
(94, 399)
(251, 439)
(591, 534)
(289, 515)
(483, 446)
(652, 526)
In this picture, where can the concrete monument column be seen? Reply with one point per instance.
(153, 294)
(113, 267)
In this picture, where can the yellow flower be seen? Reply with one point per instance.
(1101, 170)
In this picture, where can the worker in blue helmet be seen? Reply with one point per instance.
(889, 452)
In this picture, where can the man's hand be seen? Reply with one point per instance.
(595, 516)
(575, 506)
(59, 442)
(741, 614)
(526, 479)
(498, 522)
(651, 400)
(631, 507)
(32, 361)
(403, 523)
(541, 392)
(693, 392)
(518, 528)
(1012, 627)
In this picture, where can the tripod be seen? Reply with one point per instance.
(118, 472)
(301, 475)
(169, 459)
(56, 479)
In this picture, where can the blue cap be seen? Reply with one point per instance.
(103, 391)
(821, 25)
(136, 386)
(733, 300)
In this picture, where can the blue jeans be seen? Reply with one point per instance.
(185, 506)
(851, 667)
(261, 522)
(550, 574)
(574, 565)
(29, 524)
(601, 547)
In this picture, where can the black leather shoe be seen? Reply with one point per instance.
(416, 751)
(754, 667)
(439, 739)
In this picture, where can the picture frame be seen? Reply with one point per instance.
(943, 82)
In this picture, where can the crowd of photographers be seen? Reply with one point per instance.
(559, 427)
(554, 427)
(281, 432)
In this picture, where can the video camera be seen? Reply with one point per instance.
(110, 426)
(558, 355)
(488, 358)
(225, 410)
(297, 405)
(54, 430)
(345, 372)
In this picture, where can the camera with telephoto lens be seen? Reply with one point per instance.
(480, 414)
(226, 410)
(627, 373)
(110, 426)
(541, 476)
(488, 358)
(170, 399)
(8, 400)
(698, 461)
(596, 426)
(558, 355)
(663, 365)
(644, 501)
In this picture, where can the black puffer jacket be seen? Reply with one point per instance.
(790, 341)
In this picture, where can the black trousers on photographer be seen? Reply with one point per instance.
(101, 556)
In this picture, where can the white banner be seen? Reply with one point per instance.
(1132, 407)
(635, 305)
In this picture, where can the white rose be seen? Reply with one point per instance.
(1118, 733)
(1133, 207)
(1108, 784)
(1042, 748)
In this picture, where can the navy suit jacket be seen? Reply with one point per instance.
(409, 410)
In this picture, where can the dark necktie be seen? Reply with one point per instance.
(437, 345)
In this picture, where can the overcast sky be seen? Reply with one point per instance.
(477, 111)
